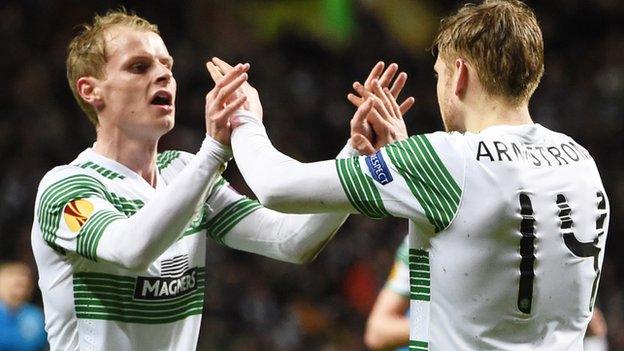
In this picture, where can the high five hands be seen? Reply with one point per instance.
(223, 100)
(378, 120)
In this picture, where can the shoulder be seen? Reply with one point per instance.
(432, 146)
(173, 158)
(71, 176)
(66, 183)
(442, 154)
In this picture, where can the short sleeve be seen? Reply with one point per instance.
(73, 211)
(420, 178)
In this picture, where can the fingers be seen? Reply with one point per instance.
(223, 66)
(396, 111)
(406, 105)
(354, 99)
(379, 124)
(398, 84)
(388, 75)
(381, 102)
(235, 105)
(374, 73)
(360, 115)
(362, 145)
(233, 74)
(225, 92)
(214, 71)
(361, 89)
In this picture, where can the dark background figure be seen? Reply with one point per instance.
(21, 323)
(304, 55)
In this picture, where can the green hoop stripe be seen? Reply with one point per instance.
(57, 195)
(105, 172)
(420, 275)
(164, 159)
(127, 206)
(219, 183)
(110, 297)
(418, 345)
(360, 189)
(90, 234)
(227, 218)
(427, 178)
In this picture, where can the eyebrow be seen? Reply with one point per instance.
(145, 55)
(169, 60)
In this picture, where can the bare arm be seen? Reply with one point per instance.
(388, 326)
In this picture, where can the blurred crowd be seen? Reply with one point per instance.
(304, 56)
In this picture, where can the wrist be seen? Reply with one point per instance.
(245, 116)
(215, 149)
(348, 150)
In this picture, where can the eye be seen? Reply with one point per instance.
(139, 67)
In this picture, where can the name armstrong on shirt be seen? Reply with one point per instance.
(558, 154)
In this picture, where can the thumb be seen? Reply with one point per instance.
(362, 111)
(362, 145)
(214, 71)
(235, 121)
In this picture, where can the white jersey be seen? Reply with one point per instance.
(507, 234)
(93, 304)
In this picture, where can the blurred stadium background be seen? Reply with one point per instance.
(304, 55)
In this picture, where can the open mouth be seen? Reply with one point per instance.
(162, 98)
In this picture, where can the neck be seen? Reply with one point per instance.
(137, 155)
(496, 112)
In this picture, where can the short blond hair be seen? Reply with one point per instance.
(503, 41)
(86, 53)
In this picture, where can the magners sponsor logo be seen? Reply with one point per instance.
(76, 213)
(162, 288)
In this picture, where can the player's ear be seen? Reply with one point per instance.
(460, 78)
(89, 91)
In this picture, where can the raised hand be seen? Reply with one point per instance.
(223, 100)
(377, 122)
(218, 68)
(379, 119)
(384, 78)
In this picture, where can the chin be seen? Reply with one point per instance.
(170, 122)
(159, 128)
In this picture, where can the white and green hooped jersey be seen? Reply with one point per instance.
(507, 234)
(91, 304)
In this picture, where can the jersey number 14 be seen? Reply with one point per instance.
(578, 248)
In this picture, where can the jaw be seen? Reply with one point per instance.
(147, 129)
(453, 117)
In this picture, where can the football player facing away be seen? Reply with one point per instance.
(507, 218)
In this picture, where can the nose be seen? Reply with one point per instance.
(164, 76)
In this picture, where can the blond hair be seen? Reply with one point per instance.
(86, 53)
(503, 41)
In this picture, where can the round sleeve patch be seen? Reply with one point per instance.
(76, 213)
